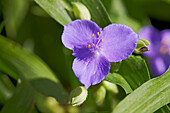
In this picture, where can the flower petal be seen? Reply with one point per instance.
(119, 41)
(165, 35)
(79, 33)
(153, 36)
(91, 71)
(82, 52)
(158, 66)
(166, 60)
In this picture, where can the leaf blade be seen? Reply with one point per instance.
(55, 9)
(135, 71)
(118, 79)
(33, 69)
(21, 101)
(142, 98)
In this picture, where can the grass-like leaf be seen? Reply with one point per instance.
(149, 97)
(32, 68)
(22, 100)
(118, 79)
(56, 10)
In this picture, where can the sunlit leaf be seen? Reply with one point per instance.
(56, 10)
(149, 97)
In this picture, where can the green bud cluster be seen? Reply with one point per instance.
(142, 46)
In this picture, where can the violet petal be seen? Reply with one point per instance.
(165, 35)
(153, 36)
(119, 41)
(158, 66)
(78, 33)
(91, 71)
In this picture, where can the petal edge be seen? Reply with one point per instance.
(119, 41)
(91, 72)
(78, 33)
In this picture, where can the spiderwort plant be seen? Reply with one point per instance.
(159, 49)
(95, 49)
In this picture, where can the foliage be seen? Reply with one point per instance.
(36, 69)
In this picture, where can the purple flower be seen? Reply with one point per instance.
(95, 49)
(159, 54)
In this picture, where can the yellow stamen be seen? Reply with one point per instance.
(92, 35)
(97, 47)
(101, 40)
(89, 46)
(98, 33)
(93, 44)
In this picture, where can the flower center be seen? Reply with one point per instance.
(96, 42)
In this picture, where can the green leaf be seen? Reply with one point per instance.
(118, 79)
(134, 70)
(6, 88)
(55, 9)
(33, 69)
(149, 97)
(6, 67)
(115, 66)
(97, 11)
(5, 93)
(48, 46)
(164, 109)
(14, 12)
(21, 101)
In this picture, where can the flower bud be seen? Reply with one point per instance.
(99, 95)
(81, 11)
(141, 46)
(78, 96)
(48, 104)
(110, 86)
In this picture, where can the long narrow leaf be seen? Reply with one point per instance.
(22, 100)
(148, 98)
(33, 69)
(118, 79)
(56, 10)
